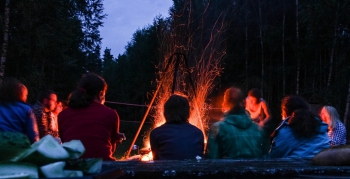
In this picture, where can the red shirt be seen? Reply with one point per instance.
(96, 126)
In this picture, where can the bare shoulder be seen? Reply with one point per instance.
(263, 102)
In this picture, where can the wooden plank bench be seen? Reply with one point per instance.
(223, 168)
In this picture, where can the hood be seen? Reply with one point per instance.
(240, 120)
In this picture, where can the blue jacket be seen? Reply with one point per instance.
(18, 117)
(286, 145)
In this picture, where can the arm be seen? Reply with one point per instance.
(212, 150)
(42, 125)
(118, 121)
(60, 133)
(339, 135)
(118, 137)
(266, 111)
(278, 149)
(282, 143)
(154, 146)
(31, 127)
(40, 121)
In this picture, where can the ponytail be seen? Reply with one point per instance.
(79, 99)
(89, 87)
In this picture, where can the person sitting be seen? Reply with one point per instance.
(88, 120)
(15, 114)
(257, 107)
(54, 117)
(236, 136)
(177, 139)
(260, 113)
(47, 100)
(301, 133)
(336, 129)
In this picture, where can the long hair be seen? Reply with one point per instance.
(88, 88)
(255, 92)
(233, 99)
(302, 121)
(293, 102)
(11, 90)
(176, 109)
(332, 115)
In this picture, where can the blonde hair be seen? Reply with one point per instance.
(332, 115)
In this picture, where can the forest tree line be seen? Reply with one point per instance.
(280, 46)
(50, 44)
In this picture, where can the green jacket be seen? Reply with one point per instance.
(236, 136)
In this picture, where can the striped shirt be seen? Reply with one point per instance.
(45, 121)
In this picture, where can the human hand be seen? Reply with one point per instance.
(330, 133)
(120, 137)
(261, 124)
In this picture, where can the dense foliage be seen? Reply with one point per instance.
(290, 47)
(52, 43)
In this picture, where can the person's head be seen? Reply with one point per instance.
(23, 93)
(48, 99)
(59, 107)
(233, 98)
(13, 90)
(304, 123)
(291, 103)
(176, 109)
(254, 95)
(64, 104)
(91, 87)
(329, 115)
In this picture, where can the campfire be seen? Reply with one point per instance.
(188, 67)
(197, 95)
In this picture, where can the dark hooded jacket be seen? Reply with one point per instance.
(236, 136)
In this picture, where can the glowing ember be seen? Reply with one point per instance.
(147, 157)
(146, 154)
